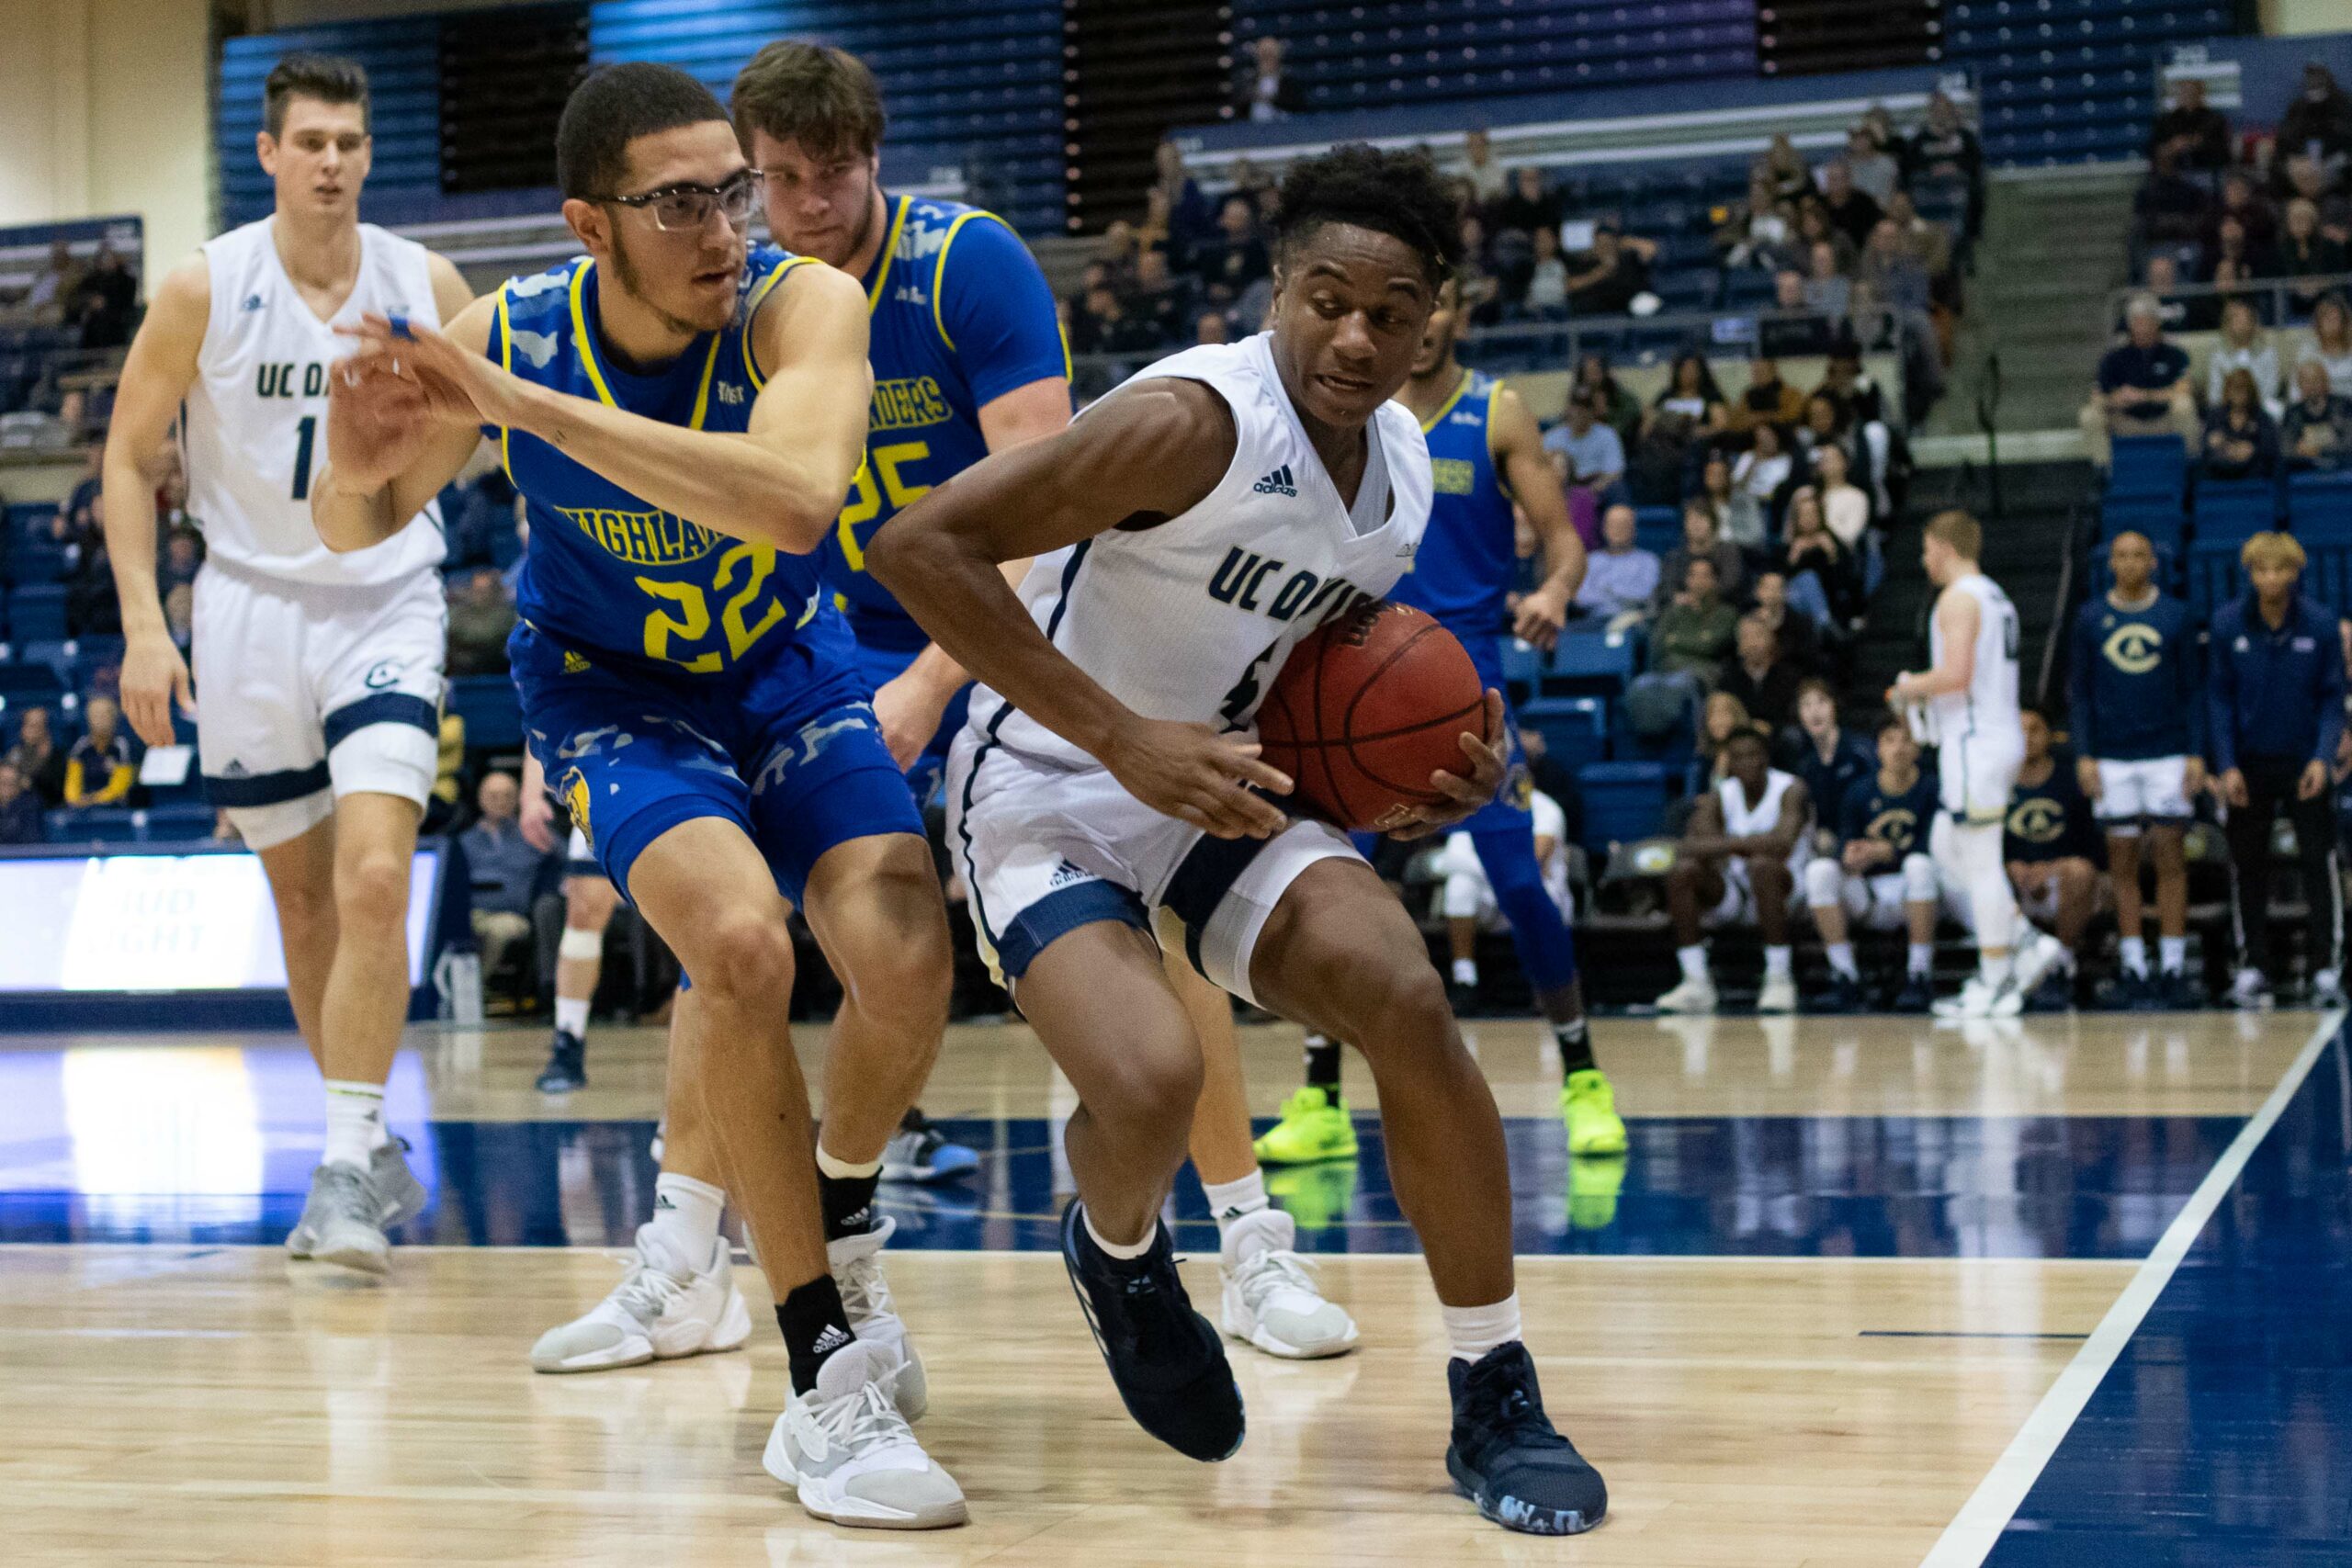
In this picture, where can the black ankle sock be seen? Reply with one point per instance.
(849, 1204)
(1323, 1063)
(1574, 1040)
(815, 1324)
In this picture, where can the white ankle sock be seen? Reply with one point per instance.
(1228, 1200)
(2133, 952)
(355, 1122)
(1776, 963)
(1127, 1250)
(1465, 972)
(686, 1216)
(571, 1016)
(1693, 960)
(841, 1169)
(1922, 959)
(1994, 972)
(1841, 959)
(2172, 952)
(1477, 1330)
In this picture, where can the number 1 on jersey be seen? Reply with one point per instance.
(304, 434)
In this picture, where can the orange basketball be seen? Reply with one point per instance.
(1369, 705)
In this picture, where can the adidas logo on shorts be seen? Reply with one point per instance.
(1277, 483)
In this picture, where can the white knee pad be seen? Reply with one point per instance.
(581, 946)
(386, 758)
(1823, 880)
(1971, 854)
(1918, 878)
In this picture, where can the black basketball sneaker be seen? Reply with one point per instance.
(1167, 1361)
(1508, 1458)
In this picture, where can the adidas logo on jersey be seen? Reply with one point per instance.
(1277, 483)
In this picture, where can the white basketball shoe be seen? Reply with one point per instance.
(1271, 1297)
(866, 1296)
(850, 1456)
(664, 1307)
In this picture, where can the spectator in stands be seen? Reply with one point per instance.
(104, 300)
(2197, 136)
(1594, 456)
(1481, 291)
(1759, 232)
(1701, 542)
(1829, 757)
(1228, 263)
(2171, 211)
(1871, 166)
(1159, 299)
(1528, 206)
(2277, 684)
(1930, 243)
(2318, 124)
(2241, 202)
(1861, 407)
(1546, 298)
(1896, 278)
(1621, 578)
(1760, 675)
(1785, 168)
(1740, 522)
(1823, 577)
(2142, 385)
(1828, 292)
(1736, 862)
(2307, 180)
(1692, 391)
(1845, 505)
(505, 870)
(2051, 843)
(1766, 400)
(1759, 475)
(44, 302)
(2307, 255)
(2241, 442)
(1796, 329)
(19, 809)
(1191, 220)
(1608, 278)
(481, 618)
(100, 769)
(92, 607)
(1213, 328)
(1944, 151)
(1481, 165)
(2316, 432)
(2235, 258)
(90, 483)
(2161, 279)
(36, 757)
(1799, 638)
(1267, 93)
(1103, 326)
(183, 554)
(1694, 635)
(1721, 716)
(1851, 210)
(179, 615)
(1618, 408)
(2243, 347)
(2330, 343)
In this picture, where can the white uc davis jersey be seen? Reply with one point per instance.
(1191, 620)
(254, 435)
(1742, 821)
(1987, 710)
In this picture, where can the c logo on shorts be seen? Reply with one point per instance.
(576, 805)
(383, 673)
(2135, 648)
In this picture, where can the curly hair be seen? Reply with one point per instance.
(1398, 194)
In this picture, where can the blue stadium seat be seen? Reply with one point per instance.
(36, 612)
(25, 682)
(1574, 729)
(2212, 575)
(487, 703)
(1624, 802)
(95, 825)
(2149, 466)
(1658, 529)
(174, 824)
(35, 562)
(2235, 511)
(2161, 520)
(2319, 506)
(1522, 670)
(1591, 663)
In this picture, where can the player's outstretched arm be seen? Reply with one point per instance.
(1528, 474)
(1144, 455)
(396, 434)
(156, 376)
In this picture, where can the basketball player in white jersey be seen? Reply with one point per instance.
(318, 677)
(1971, 715)
(1742, 858)
(1107, 802)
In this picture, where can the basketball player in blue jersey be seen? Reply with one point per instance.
(1485, 454)
(682, 416)
(969, 359)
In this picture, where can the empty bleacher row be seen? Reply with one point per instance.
(2072, 81)
(2197, 528)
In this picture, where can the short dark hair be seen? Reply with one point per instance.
(613, 107)
(822, 97)
(1814, 684)
(1892, 721)
(329, 78)
(1743, 733)
(1398, 194)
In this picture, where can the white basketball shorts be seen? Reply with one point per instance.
(306, 693)
(1977, 773)
(2153, 791)
(1045, 849)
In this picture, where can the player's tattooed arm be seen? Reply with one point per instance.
(1146, 454)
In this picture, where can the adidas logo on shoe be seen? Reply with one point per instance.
(1279, 482)
(832, 1340)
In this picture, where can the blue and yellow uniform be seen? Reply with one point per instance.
(962, 315)
(1462, 578)
(667, 671)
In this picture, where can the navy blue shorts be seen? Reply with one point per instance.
(784, 747)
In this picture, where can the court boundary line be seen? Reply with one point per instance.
(1977, 1528)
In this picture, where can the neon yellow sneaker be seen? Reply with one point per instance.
(1590, 1107)
(1314, 1127)
(1316, 1196)
(1594, 1183)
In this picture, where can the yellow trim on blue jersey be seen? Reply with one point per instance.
(1447, 407)
(702, 392)
(759, 293)
(890, 253)
(505, 363)
(939, 273)
(580, 338)
(1502, 480)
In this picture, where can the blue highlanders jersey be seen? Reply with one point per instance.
(961, 316)
(609, 572)
(1461, 575)
(1900, 822)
